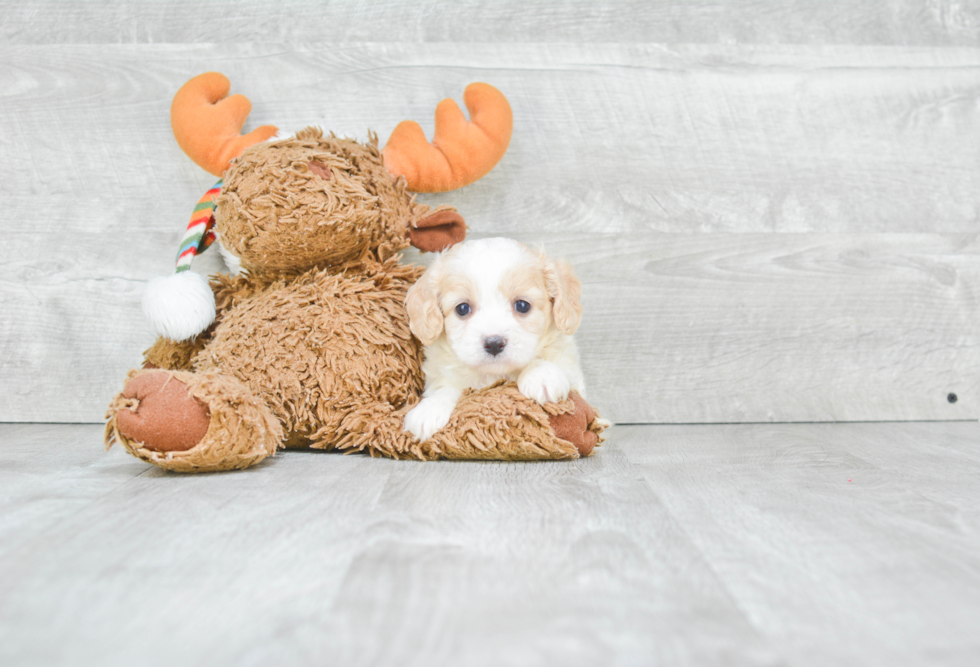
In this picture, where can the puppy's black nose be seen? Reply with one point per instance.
(494, 345)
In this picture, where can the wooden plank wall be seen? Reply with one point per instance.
(774, 206)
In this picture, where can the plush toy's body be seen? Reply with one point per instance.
(310, 346)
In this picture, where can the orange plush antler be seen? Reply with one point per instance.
(461, 152)
(208, 126)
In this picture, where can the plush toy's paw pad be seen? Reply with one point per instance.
(574, 426)
(162, 414)
(426, 418)
(544, 383)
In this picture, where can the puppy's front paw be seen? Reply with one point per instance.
(544, 383)
(426, 418)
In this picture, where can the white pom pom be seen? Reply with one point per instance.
(179, 306)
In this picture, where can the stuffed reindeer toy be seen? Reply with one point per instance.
(307, 344)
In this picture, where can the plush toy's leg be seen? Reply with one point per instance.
(495, 423)
(191, 422)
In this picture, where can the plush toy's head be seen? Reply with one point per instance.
(310, 200)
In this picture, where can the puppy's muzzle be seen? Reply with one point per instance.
(494, 345)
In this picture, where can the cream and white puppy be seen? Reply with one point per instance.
(490, 310)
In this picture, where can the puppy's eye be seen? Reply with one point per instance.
(522, 306)
(463, 309)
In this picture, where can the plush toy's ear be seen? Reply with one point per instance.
(208, 124)
(422, 302)
(438, 231)
(461, 151)
(565, 291)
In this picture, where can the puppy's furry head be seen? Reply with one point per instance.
(497, 303)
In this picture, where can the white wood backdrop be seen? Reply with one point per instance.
(774, 206)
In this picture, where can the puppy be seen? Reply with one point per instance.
(490, 310)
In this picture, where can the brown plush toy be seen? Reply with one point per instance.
(310, 345)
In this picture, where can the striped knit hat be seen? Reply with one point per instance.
(200, 230)
(181, 305)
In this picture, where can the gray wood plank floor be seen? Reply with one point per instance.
(806, 544)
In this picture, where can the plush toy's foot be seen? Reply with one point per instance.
(494, 423)
(191, 422)
(575, 426)
(161, 413)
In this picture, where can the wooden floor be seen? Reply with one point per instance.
(801, 544)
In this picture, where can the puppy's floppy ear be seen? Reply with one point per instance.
(565, 291)
(422, 303)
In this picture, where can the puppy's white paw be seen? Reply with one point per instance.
(426, 418)
(544, 383)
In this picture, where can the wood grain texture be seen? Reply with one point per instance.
(685, 545)
(677, 329)
(882, 22)
(866, 533)
(608, 137)
(761, 327)
(742, 167)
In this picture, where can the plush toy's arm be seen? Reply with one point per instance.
(179, 355)
(232, 290)
(174, 355)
